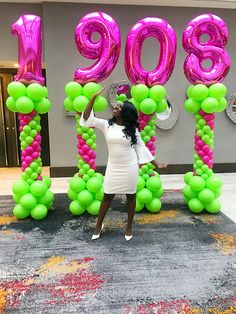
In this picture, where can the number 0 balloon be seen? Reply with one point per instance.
(164, 33)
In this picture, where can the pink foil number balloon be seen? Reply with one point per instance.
(164, 33)
(212, 49)
(29, 32)
(106, 49)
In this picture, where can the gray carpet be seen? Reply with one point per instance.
(177, 262)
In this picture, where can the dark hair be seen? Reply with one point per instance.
(129, 116)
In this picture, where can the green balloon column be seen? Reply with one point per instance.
(32, 193)
(148, 102)
(203, 187)
(85, 188)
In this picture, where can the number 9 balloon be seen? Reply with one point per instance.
(106, 49)
(199, 51)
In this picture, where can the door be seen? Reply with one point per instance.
(9, 128)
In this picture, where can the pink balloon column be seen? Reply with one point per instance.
(148, 94)
(205, 98)
(85, 189)
(28, 97)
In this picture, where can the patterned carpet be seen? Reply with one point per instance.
(177, 262)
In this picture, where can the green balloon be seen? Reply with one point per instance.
(210, 105)
(139, 92)
(157, 92)
(214, 183)
(33, 133)
(141, 183)
(154, 206)
(16, 89)
(158, 193)
(153, 184)
(161, 106)
(217, 193)
(222, 104)
(146, 176)
(33, 124)
(91, 173)
(144, 196)
(135, 103)
(11, 104)
(123, 97)
(72, 195)
(35, 91)
(86, 177)
(100, 176)
(90, 89)
(45, 91)
(217, 90)
(80, 103)
(39, 212)
(24, 105)
(76, 208)
(191, 106)
(73, 89)
(206, 196)
(196, 183)
(34, 176)
(199, 92)
(21, 212)
(187, 192)
(68, 104)
(93, 208)
(99, 195)
(195, 205)
(47, 181)
(46, 198)
(146, 138)
(20, 187)
(77, 184)
(86, 167)
(29, 139)
(148, 106)
(28, 201)
(85, 197)
(16, 198)
(100, 104)
(139, 206)
(42, 106)
(189, 91)
(213, 207)
(38, 188)
(94, 185)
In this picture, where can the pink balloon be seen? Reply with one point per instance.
(85, 148)
(35, 155)
(106, 49)
(29, 32)
(86, 158)
(29, 150)
(164, 33)
(212, 49)
(28, 159)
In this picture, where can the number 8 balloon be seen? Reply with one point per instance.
(212, 49)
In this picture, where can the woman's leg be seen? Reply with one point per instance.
(131, 203)
(103, 210)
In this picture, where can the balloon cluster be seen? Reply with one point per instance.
(78, 97)
(85, 188)
(149, 189)
(149, 100)
(208, 99)
(200, 193)
(32, 193)
(86, 194)
(203, 187)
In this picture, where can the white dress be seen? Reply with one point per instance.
(122, 170)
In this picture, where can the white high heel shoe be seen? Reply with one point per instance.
(97, 236)
(128, 238)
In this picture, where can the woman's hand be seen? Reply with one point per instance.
(159, 165)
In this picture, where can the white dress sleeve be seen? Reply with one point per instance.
(143, 153)
(92, 121)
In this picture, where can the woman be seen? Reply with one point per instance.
(126, 152)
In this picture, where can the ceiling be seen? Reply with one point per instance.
(229, 4)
